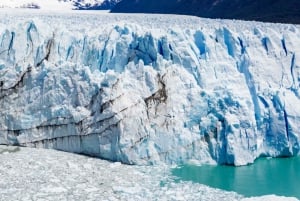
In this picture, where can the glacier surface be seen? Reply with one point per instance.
(147, 89)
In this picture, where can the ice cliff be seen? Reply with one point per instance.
(145, 89)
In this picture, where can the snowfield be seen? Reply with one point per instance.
(48, 5)
(149, 89)
(54, 5)
(39, 174)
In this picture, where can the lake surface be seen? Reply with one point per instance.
(266, 176)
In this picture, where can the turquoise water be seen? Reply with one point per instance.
(266, 176)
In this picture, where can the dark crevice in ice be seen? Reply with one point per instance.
(13, 89)
(49, 45)
(284, 46)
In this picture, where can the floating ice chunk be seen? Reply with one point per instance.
(270, 198)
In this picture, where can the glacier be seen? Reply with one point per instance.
(149, 89)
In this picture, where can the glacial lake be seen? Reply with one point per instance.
(266, 176)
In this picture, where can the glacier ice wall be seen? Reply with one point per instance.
(146, 89)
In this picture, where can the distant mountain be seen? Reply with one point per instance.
(60, 4)
(284, 11)
(96, 5)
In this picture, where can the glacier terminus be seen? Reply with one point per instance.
(148, 89)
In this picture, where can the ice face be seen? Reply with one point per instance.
(146, 89)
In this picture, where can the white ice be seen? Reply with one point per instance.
(148, 89)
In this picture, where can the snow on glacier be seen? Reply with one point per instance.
(53, 5)
(48, 5)
(146, 89)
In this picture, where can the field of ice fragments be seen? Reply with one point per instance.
(39, 174)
